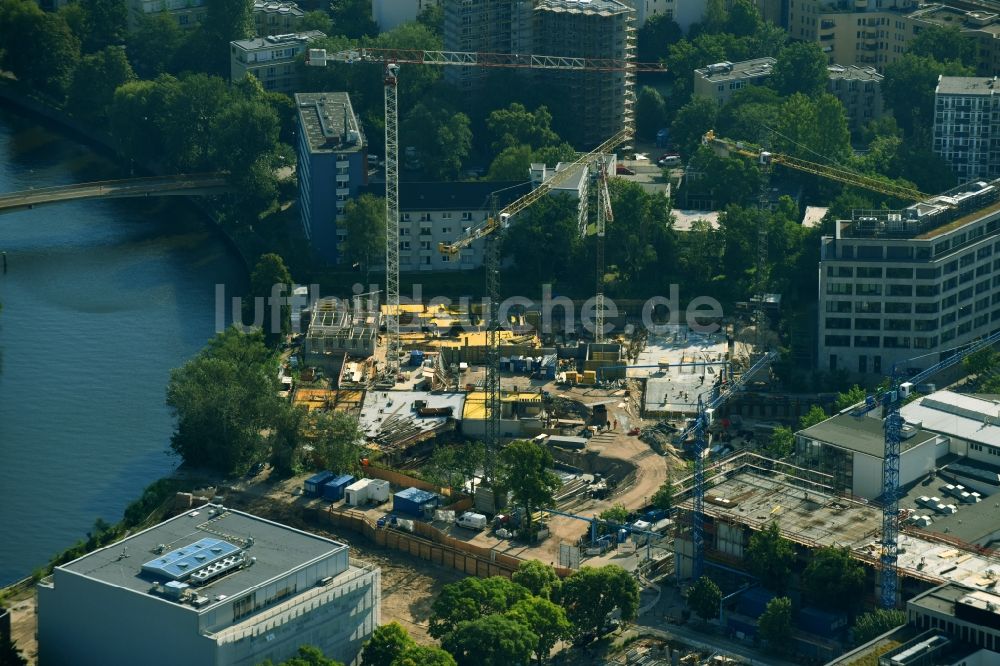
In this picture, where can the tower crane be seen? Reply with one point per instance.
(605, 215)
(718, 396)
(890, 401)
(392, 59)
(726, 147)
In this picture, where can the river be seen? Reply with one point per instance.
(100, 301)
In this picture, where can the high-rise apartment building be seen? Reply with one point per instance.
(332, 166)
(904, 287)
(212, 586)
(593, 105)
(967, 127)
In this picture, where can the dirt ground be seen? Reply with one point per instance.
(23, 622)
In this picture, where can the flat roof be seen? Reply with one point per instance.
(275, 41)
(328, 120)
(602, 7)
(966, 85)
(860, 434)
(942, 599)
(971, 523)
(854, 73)
(393, 413)
(270, 7)
(968, 417)
(278, 550)
(475, 402)
(740, 70)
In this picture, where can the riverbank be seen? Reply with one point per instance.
(38, 109)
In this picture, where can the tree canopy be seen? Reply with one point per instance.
(472, 598)
(833, 579)
(225, 399)
(800, 68)
(875, 623)
(271, 280)
(364, 222)
(775, 623)
(592, 594)
(546, 620)
(308, 655)
(386, 644)
(538, 578)
(525, 472)
(770, 557)
(493, 640)
(704, 598)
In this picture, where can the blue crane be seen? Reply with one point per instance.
(890, 401)
(718, 396)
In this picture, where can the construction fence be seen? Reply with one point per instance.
(428, 543)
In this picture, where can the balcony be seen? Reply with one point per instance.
(343, 164)
(343, 191)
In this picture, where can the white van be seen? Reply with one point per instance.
(472, 521)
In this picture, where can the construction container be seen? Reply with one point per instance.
(571, 377)
(820, 622)
(753, 602)
(313, 486)
(536, 364)
(378, 491)
(356, 494)
(520, 364)
(504, 364)
(589, 377)
(333, 490)
(416, 357)
(568, 442)
(414, 502)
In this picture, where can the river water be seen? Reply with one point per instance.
(100, 301)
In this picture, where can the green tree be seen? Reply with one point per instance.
(770, 557)
(545, 619)
(644, 242)
(153, 44)
(270, 289)
(353, 18)
(538, 578)
(655, 37)
(692, 121)
(187, 117)
(617, 514)
(443, 139)
(494, 640)
(908, 88)
(95, 80)
(225, 399)
(816, 414)
(663, 498)
(308, 655)
(106, 23)
(9, 654)
(591, 595)
(832, 579)
(432, 18)
(338, 441)
(943, 43)
(516, 126)
(775, 623)
(749, 114)
(512, 164)
(800, 68)
(242, 132)
(849, 398)
(452, 465)
(729, 180)
(781, 444)
(525, 472)
(423, 655)
(364, 222)
(744, 18)
(48, 70)
(387, 643)
(317, 19)
(472, 598)
(650, 113)
(875, 623)
(546, 239)
(225, 21)
(704, 597)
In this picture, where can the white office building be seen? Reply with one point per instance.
(212, 586)
(905, 287)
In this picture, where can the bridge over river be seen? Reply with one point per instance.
(181, 184)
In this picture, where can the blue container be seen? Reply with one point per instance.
(738, 624)
(753, 602)
(655, 515)
(622, 535)
(820, 622)
(416, 357)
(333, 490)
(520, 365)
(536, 364)
(313, 486)
(505, 364)
(414, 502)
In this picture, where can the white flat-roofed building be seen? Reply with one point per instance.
(907, 287)
(211, 586)
(271, 59)
(720, 81)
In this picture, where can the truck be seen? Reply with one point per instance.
(473, 521)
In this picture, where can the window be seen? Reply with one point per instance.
(446, 230)
(466, 216)
(869, 272)
(926, 308)
(425, 217)
(406, 217)
(927, 290)
(897, 324)
(838, 323)
(843, 306)
(965, 277)
(925, 324)
(967, 260)
(950, 267)
(873, 307)
(869, 290)
(445, 258)
(898, 308)
(243, 606)
(900, 290)
(840, 289)
(425, 245)
(866, 341)
(864, 324)
(899, 273)
(445, 216)
(896, 342)
(838, 341)
(404, 245)
(425, 231)
(839, 271)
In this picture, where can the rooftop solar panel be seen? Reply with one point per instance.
(180, 563)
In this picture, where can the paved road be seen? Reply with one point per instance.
(207, 183)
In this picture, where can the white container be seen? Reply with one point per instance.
(378, 491)
(356, 494)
